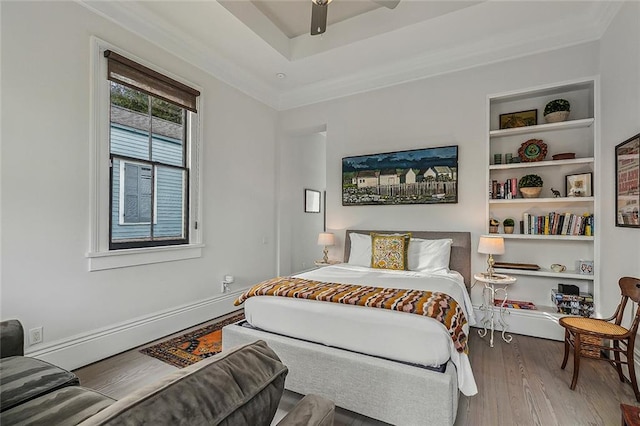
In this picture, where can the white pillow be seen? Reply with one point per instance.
(360, 252)
(429, 255)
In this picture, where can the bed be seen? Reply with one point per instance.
(394, 367)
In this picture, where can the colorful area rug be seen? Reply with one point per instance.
(193, 346)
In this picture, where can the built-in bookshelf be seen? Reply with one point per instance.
(556, 227)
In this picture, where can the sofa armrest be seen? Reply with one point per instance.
(11, 338)
(312, 410)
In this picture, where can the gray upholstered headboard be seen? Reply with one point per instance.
(460, 250)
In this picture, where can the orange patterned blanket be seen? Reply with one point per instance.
(439, 306)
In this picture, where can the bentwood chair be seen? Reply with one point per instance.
(588, 335)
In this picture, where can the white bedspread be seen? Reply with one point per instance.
(389, 334)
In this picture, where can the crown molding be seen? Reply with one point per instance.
(602, 16)
(175, 41)
(543, 37)
(498, 48)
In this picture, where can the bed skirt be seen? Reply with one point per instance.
(389, 391)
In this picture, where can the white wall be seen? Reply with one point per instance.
(620, 112)
(443, 110)
(309, 173)
(302, 165)
(45, 193)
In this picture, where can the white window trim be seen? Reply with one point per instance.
(99, 256)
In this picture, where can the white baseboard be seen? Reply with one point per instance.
(86, 348)
(530, 323)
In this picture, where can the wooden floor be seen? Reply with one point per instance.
(520, 383)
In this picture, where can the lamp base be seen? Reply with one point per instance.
(490, 262)
(325, 259)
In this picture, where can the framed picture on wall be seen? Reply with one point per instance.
(418, 176)
(311, 201)
(628, 182)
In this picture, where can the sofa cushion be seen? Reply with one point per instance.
(62, 407)
(242, 386)
(24, 378)
(310, 410)
(11, 338)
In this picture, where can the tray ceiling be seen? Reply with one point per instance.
(366, 46)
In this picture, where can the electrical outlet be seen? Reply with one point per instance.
(224, 286)
(35, 335)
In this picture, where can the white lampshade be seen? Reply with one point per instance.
(326, 239)
(491, 245)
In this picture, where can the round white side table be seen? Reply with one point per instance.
(489, 293)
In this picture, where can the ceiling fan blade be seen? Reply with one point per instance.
(389, 4)
(318, 18)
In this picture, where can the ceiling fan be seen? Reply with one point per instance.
(319, 13)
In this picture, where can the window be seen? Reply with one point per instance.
(146, 175)
(147, 140)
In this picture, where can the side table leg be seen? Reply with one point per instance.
(503, 323)
(484, 308)
(493, 295)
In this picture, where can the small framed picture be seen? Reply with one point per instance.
(628, 183)
(579, 185)
(311, 201)
(519, 119)
(584, 267)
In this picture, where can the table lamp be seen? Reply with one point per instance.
(326, 239)
(490, 245)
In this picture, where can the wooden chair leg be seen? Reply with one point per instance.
(617, 363)
(632, 371)
(566, 349)
(577, 350)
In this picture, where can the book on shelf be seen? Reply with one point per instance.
(515, 304)
(573, 304)
(555, 223)
(580, 297)
(506, 190)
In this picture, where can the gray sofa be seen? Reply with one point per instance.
(23, 378)
(242, 386)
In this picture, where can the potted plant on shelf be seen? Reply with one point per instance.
(557, 110)
(530, 186)
(508, 225)
(493, 226)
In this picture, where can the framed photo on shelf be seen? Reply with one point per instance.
(519, 119)
(628, 182)
(579, 185)
(311, 201)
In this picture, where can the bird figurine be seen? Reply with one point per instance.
(556, 193)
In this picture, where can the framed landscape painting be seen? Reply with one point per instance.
(419, 176)
(628, 182)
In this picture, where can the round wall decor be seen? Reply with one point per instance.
(532, 150)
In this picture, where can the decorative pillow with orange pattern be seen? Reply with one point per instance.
(390, 251)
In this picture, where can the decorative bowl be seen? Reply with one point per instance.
(532, 192)
(564, 156)
(556, 117)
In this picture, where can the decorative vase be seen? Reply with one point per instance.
(508, 229)
(493, 229)
(533, 192)
(556, 117)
